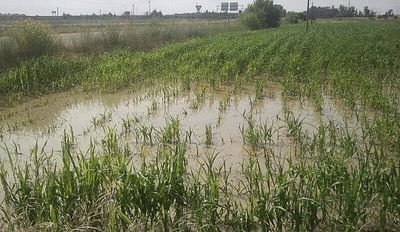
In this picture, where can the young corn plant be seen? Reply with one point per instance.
(171, 133)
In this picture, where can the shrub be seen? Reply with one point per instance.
(8, 53)
(291, 18)
(261, 14)
(294, 17)
(33, 39)
(112, 37)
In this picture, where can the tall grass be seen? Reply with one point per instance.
(145, 38)
(33, 39)
(26, 39)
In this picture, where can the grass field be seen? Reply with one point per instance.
(334, 176)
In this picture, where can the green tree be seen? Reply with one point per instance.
(368, 12)
(282, 11)
(389, 12)
(261, 14)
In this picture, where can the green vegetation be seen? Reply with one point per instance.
(309, 63)
(331, 177)
(26, 39)
(33, 39)
(294, 17)
(209, 135)
(144, 38)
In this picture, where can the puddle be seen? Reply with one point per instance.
(44, 121)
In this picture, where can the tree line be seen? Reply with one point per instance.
(265, 14)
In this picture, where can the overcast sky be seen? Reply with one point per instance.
(76, 7)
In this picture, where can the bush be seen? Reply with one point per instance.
(261, 14)
(291, 18)
(251, 20)
(33, 39)
(8, 53)
(294, 17)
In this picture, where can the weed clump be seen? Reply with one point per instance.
(32, 39)
(24, 40)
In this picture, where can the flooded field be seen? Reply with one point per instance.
(276, 130)
(209, 120)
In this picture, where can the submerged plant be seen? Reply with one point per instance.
(209, 136)
(257, 135)
(171, 133)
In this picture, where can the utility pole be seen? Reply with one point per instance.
(57, 12)
(133, 9)
(308, 15)
(149, 7)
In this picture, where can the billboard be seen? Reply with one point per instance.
(234, 6)
(225, 6)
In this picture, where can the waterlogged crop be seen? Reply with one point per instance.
(295, 174)
(315, 186)
(308, 63)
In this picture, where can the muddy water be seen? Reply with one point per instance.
(44, 121)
